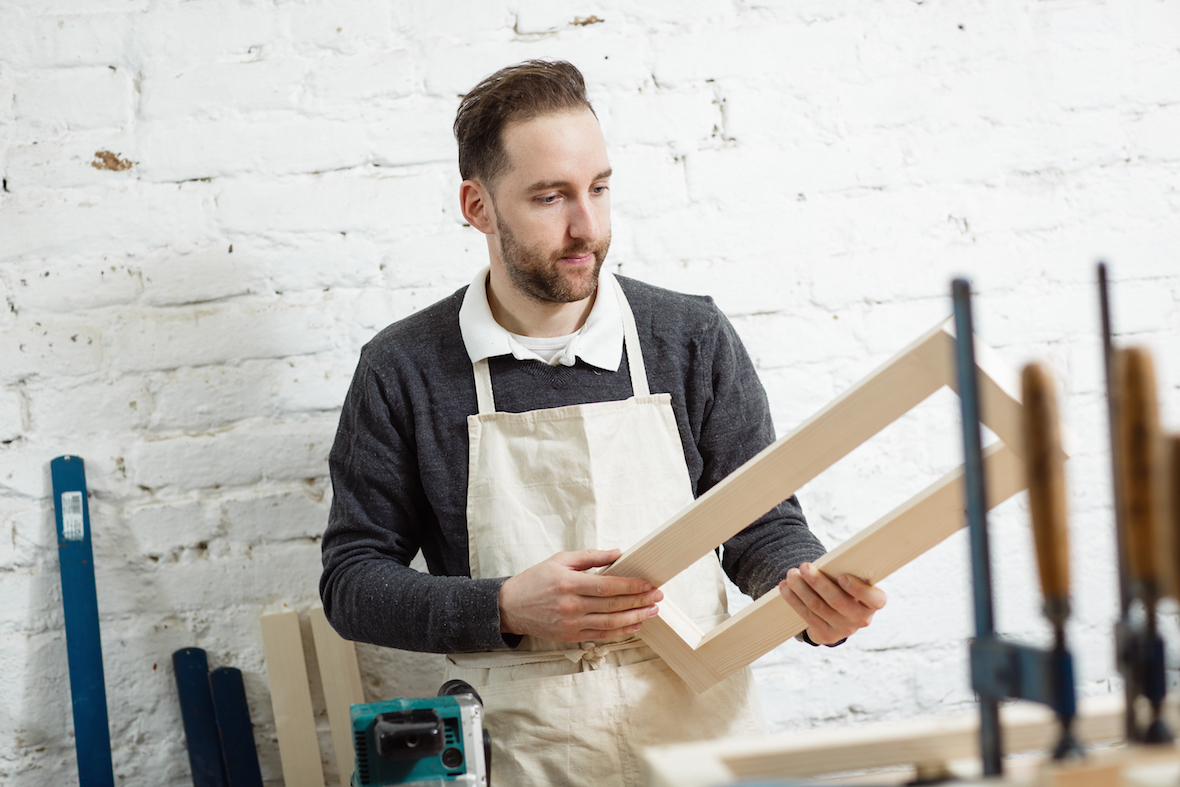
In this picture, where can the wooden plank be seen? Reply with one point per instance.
(775, 473)
(872, 554)
(341, 678)
(1027, 727)
(299, 747)
(674, 636)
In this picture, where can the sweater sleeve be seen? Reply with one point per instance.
(736, 426)
(375, 525)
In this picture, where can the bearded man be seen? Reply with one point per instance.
(528, 428)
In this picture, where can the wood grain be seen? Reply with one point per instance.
(340, 676)
(1027, 727)
(1046, 481)
(778, 471)
(290, 696)
(872, 554)
(1137, 430)
(1168, 519)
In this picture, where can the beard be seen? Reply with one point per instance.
(538, 274)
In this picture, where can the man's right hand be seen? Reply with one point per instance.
(556, 599)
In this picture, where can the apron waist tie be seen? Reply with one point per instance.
(591, 653)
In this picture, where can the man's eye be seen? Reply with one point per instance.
(548, 199)
(600, 189)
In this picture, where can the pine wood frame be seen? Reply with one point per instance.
(705, 658)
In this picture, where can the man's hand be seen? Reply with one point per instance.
(831, 610)
(555, 599)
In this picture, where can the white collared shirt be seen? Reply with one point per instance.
(598, 343)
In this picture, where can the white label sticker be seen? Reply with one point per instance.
(72, 524)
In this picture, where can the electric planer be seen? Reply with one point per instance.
(422, 742)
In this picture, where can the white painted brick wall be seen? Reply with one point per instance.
(189, 322)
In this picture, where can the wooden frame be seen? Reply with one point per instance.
(705, 658)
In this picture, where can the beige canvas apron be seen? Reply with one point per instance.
(587, 476)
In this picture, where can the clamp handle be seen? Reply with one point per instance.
(1137, 435)
(1045, 463)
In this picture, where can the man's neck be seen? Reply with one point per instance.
(524, 315)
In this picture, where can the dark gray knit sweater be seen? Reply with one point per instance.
(399, 464)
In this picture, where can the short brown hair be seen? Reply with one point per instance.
(516, 93)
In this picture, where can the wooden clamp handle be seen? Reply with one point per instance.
(1168, 520)
(1045, 462)
(1137, 431)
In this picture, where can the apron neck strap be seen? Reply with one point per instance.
(631, 342)
(639, 387)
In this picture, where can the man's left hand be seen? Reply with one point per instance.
(832, 610)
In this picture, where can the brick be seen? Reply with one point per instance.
(646, 181)
(453, 255)
(261, 519)
(49, 346)
(73, 285)
(190, 148)
(150, 339)
(120, 217)
(213, 90)
(442, 25)
(537, 16)
(198, 581)
(353, 201)
(190, 34)
(162, 529)
(11, 416)
(379, 75)
(85, 7)
(349, 26)
(237, 457)
(682, 119)
(207, 274)
(295, 261)
(209, 397)
(70, 161)
(76, 98)
(419, 133)
(89, 406)
(26, 535)
(56, 40)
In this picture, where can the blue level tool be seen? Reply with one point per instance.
(92, 733)
(191, 666)
(234, 728)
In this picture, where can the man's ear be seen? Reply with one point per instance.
(476, 203)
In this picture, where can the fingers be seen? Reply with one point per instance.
(588, 558)
(832, 610)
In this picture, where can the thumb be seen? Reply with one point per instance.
(590, 558)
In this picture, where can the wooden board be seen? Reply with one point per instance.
(930, 740)
(777, 472)
(341, 679)
(290, 695)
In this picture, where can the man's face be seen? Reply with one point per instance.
(552, 207)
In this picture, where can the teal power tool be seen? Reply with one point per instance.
(422, 742)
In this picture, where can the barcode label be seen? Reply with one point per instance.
(72, 524)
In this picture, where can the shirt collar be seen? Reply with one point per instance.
(599, 343)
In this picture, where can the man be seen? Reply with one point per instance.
(523, 431)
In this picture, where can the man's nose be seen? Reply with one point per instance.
(584, 221)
